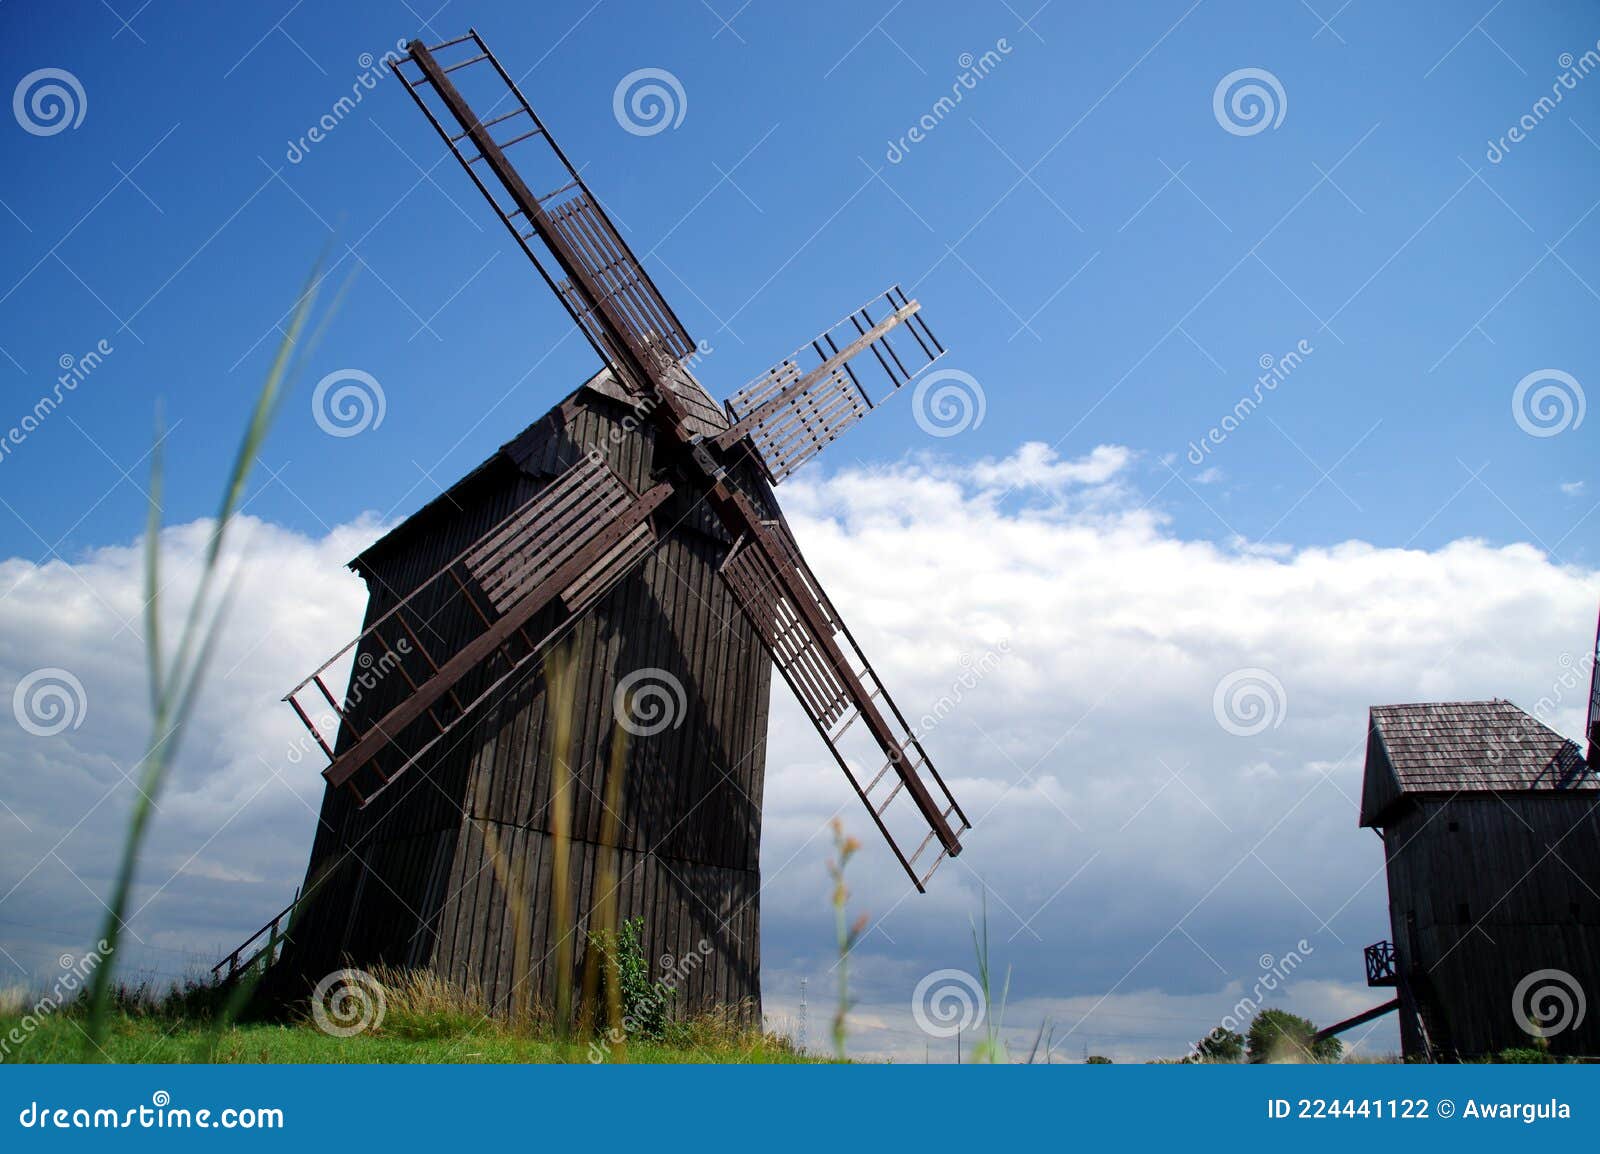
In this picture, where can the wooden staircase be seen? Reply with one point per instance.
(261, 949)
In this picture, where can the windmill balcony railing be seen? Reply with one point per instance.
(1380, 964)
(262, 946)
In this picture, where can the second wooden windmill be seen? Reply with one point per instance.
(635, 526)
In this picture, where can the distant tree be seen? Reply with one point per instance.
(1098, 1060)
(1279, 1036)
(1221, 1045)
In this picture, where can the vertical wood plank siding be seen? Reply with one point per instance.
(1476, 909)
(452, 867)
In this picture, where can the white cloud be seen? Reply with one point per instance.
(1035, 463)
(1574, 488)
(1091, 753)
(1138, 858)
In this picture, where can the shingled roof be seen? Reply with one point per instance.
(1464, 746)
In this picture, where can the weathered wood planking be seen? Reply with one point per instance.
(453, 867)
(1477, 908)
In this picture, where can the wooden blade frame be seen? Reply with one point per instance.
(604, 302)
(791, 413)
(836, 686)
(614, 302)
(566, 546)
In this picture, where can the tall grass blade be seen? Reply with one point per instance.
(174, 687)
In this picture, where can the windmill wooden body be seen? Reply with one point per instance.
(632, 533)
(1490, 822)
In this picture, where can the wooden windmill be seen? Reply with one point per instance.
(581, 530)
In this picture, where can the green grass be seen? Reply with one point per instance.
(60, 1038)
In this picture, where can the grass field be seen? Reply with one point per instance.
(61, 1038)
(389, 1016)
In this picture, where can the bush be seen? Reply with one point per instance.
(644, 1003)
(1279, 1036)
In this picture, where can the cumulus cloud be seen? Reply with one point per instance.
(239, 811)
(1129, 845)
(1035, 463)
(1137, 860)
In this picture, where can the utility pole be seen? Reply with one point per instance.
(802, 1031)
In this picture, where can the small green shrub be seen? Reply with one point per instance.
(644, 1003)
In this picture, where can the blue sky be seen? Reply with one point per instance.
(1426, 291)
(1105, 255)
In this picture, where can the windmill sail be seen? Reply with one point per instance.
(784, 418)
(837, 688)
(565, 547)
(799, 406)
(564, 232)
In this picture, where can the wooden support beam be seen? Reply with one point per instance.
(1352, 1023)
